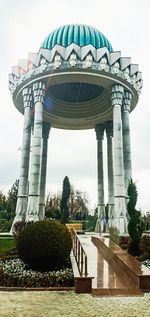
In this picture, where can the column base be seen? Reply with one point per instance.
(110, 222)
(121, 223)
(16, 219)
(98, 226)
(101, 221)
(32, 218)
(120, 206)
(111, 210)
(33, 208)
(41, 211)
(111, 214)
(21, 209)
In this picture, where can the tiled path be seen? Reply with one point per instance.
(70, 304)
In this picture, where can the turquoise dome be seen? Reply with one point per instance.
(76, 33)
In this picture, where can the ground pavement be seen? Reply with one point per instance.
(70, 304)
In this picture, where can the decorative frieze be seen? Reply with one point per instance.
(73, 60)
(75, 56)
(88, 61)
(115, 68)
(103, 65)
(57, 61)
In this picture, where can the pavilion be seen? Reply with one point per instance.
(76, 81)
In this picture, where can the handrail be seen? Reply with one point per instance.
(79, 254)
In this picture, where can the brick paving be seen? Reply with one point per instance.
(70, 304)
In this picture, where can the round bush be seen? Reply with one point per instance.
(44, 245)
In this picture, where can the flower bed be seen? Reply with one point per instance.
(14, 273)
(146, 263)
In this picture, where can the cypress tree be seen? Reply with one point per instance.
(64, 200)
(134, 225)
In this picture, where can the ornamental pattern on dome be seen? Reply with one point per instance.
(79, 34)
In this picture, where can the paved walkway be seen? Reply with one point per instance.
(70, 304)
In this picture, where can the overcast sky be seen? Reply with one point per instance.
(24, 25)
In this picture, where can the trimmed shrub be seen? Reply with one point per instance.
(145, 247)
(17, 227)
(44, 245)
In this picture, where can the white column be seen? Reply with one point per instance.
(21, 207)
(126, 140)
(36, 158)
(109, 134)
(119, 189)
(99, 129)
(46, 128)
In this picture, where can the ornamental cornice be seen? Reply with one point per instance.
(99, 60)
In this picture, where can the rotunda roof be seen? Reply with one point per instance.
(76, 33)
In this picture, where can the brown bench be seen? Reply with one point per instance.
(76, 226)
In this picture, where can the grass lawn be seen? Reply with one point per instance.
(6, 244)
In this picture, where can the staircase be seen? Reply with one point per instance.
(111, 270)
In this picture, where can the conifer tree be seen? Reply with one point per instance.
(134, 225)
(64, 200)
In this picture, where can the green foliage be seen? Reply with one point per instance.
(17, 227)
(133, 248)
(134, 225)
(64, 200)
(52, 206)
(90, 223)
(6, 245)
(133, 195)
(12, 200)
(5, 225)
(2, 201)
(145, 246)
(114, 234)
(44, 245)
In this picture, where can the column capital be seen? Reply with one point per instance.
(127, 98)
(27, 97)
(117, 95)
(46, 129)
(109, 129)
(99, 129)
(39, 91)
